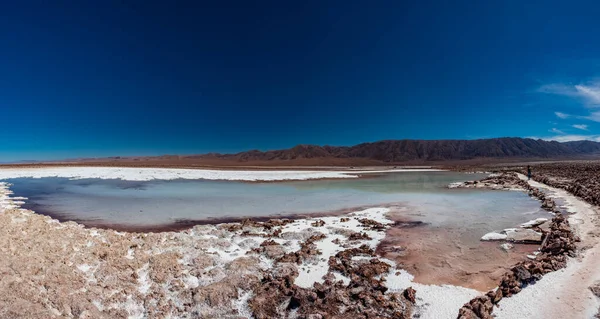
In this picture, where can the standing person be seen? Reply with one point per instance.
(528, 172)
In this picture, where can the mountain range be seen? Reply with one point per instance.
(387, 152)
(414, 151)
(391, 151)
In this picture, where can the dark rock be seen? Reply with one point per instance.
(410, 294)
(318, 223)
(307, 248)
(595, 288)
(364, 297)
(521, 273)
(371, 224)
(359, 236)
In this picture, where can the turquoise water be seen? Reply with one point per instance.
(163, 202)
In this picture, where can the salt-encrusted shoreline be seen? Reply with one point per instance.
(565, 293)
(551, 284)
(52, 269)
(146, 174)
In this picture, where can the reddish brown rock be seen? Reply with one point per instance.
(363, 297)
(318, 223)
(371, 224)
(307, 248)
(359, 236)
(410, 294)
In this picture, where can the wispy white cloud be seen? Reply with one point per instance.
(594, 116)
(562, 115)
(588, 93)
(558, 89)
(569, 138)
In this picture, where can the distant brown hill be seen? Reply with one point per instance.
(389, 152)
(398, 151)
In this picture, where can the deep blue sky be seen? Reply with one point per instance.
(101, 78)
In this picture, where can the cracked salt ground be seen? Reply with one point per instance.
(313, 270)
(431, 302)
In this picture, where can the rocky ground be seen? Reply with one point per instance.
(581, 179)
(322, 268)
(502, 181)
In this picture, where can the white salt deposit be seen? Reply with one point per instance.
(432, 301)
(7, 202)
(144, 279)
(84, 268)
(145, 174)
(494, 236)
(534, 222)
(130, 254)
(191, 281)
(455, 185)
(241, 304)
(135, 310)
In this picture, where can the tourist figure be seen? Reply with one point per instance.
(528, 172)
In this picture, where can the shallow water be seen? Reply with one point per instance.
(163, 202)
